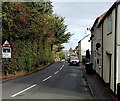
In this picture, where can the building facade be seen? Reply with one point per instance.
(105, 40)
(84, 45)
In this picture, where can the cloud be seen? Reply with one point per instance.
(79, 16)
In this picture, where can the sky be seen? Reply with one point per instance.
(79, 16)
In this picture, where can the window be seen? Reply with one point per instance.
(97, 61)
(110, 24)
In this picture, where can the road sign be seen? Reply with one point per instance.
(6, 44)
(6, 50)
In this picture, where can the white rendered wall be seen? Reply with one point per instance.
(118, 45)
(108, 48)
(85, 45)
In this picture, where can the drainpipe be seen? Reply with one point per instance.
(115, 48)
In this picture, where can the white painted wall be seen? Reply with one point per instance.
(108, 45)
(85, 45)
(108, 50)
(118, 45)
(79, 51)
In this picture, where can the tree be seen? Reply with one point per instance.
(73, 54)
(70, 50)
(33, 31)
(62, 55)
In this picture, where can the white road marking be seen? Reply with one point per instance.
(61, 67)
(23, 90)
(56, 72)
(47, 78)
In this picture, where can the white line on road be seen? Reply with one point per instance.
(47, 78)
(61, 67)
(23, 90)
(56, 72)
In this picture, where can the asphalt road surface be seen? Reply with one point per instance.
(58, 81)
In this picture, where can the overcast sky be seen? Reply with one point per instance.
(79, 16)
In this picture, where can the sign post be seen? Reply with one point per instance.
(6, 50)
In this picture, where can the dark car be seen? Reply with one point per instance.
(74, 60)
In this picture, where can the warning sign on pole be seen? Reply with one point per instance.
(6, 50)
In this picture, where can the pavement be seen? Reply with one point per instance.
(58, 81)
(98, 87)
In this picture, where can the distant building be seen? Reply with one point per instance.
(67, 54)
(105, 46)
(84, 44)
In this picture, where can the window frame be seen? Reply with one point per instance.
(109, 20)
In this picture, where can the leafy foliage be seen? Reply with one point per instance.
(33, 31)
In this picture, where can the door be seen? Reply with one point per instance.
(109, 67)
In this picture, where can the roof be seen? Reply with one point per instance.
(76, 47)
(96, 21)
(99, 20)
(84, 38)
(79, 41)
(101, 17)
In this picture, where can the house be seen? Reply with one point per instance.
(105, 46)
(84, 45)
(96, 46)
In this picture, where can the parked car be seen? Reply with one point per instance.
(74, 60)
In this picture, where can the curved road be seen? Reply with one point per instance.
(58, 81)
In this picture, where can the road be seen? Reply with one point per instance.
(58, 81)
